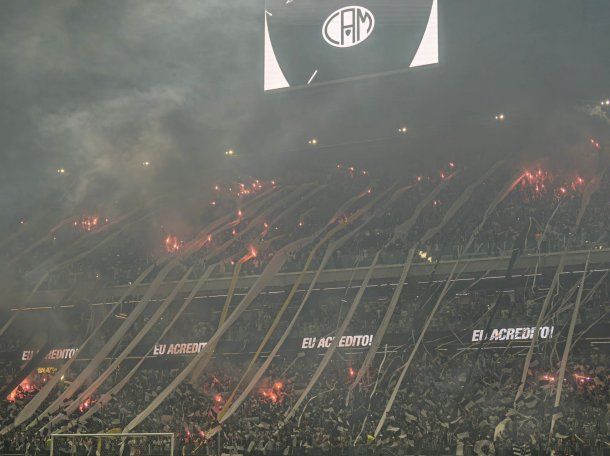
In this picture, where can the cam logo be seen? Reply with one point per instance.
(348, 26)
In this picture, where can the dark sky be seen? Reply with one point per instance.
(99, 87)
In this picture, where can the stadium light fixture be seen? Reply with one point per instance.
(61, 171)
(146, 163)
(500, 117)
(312, 142)
(229, 153)
(402, 130)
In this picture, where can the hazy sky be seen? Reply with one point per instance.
(99, 87)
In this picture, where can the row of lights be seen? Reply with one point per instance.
(500, 117)
(62, 171)
(314, 142)
(311, 142)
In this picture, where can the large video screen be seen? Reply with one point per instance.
(310, 42)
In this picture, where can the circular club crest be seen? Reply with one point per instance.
(348, 26)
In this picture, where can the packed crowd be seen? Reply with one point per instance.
(477, 413)
(544, 206)
(475, 416)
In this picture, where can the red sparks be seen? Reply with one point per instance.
(89, 223)
(577, 183)
(351, 372)
(582, 378)
(535, 183)
(172, 244)
(561, 191)
(278, 386)
(218, 398)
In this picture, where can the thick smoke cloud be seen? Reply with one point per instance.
(100, 88)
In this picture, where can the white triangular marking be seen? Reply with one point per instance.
(274, 77)
(427, 53)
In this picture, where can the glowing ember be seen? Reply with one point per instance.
(172, 244)
(278, 386)
(218, 398)
(252, 253)
(269, 394)
(84, 406)
(561, 191)
(18, 393)
(351, 372)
